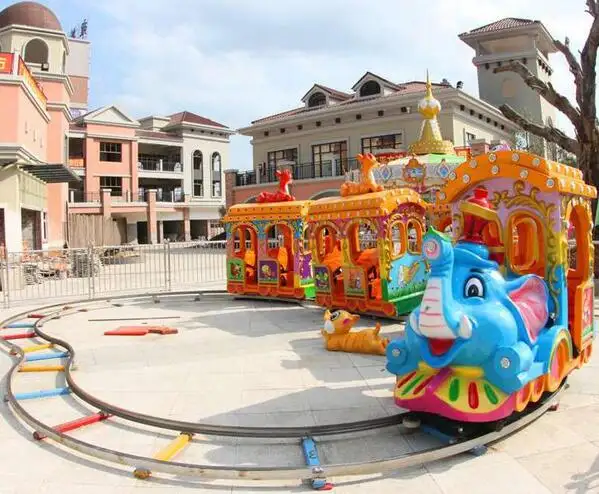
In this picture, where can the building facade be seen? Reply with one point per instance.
(150, 179)
(320, 139)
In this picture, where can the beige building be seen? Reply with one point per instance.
(321, 137)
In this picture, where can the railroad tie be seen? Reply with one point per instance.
(313, 461)
(41, 368)
(166, 453)
(45, 356)
(44, 393)
(74, 424)
(19, 336)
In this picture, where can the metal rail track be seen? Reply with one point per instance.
(283, 473)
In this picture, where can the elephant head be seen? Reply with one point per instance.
(469, 310)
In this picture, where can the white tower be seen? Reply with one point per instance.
(510, 40)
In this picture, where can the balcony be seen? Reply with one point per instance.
(77, 162)
(152, 167)
(301, 171)
(116, 196)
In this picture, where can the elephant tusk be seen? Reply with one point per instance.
(414, 323)
(465, 329)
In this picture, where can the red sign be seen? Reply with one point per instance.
(464, 151)
(384, 158)
(6, 63)
(31, 82)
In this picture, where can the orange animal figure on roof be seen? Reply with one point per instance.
(282, 194)
(367, 183)
(338, 336)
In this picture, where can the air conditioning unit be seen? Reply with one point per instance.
(45, 67)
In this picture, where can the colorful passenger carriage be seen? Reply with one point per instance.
(266, 252)
(507, 313)
(367, 249)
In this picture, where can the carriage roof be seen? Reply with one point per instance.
(545, 175)
(364, 205)
(287, 210)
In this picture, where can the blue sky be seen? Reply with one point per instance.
(234, 60)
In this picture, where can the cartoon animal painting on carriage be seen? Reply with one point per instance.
(506, 314)
(266, 251)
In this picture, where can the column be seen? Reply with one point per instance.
(106, 203)
(151, 216)
(230, 184)
(186, 225)
(160, 234)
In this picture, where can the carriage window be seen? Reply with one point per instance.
(397, 240)
(414, 237)
(274, 237)
(572, 246)
(326, 242)
(237, 240)
(526, 245)
(362, 237)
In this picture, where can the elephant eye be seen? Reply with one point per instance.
(474, 288)
(334, 315)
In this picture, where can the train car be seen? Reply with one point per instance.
(367, 247)
(507, 313)
(266, 252)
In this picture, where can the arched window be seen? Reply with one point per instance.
(414, 235)
(198, 173)
(369, 88)
(216, 175)
(398, 240)
(317, 99)
(36, 51)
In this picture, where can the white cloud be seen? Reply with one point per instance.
(235, 61)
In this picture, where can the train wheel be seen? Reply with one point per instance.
(389, 309)
(362, 305)
(263, 290)
(523, 397)
(352, 305)
(586, 354)
(557, 366)
(538, 387)
(299, 293)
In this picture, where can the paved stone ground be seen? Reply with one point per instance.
(254, 363)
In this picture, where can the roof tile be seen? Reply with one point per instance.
(188, 117)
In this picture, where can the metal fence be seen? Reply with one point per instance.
(100, 271)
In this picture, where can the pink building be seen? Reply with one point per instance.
(131, 180)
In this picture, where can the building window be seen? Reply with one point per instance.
(111, 151)
(44, 227)
(198, 173)
(36, 51)
(379, 144)
(115, 184)
(330, 159)
(317, 99)
(282, 155)
(469, 137)
(370, 88)
(198, 188)
(216, 175)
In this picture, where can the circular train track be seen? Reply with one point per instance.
(35, 341)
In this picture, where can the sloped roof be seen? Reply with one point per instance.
(189, 117)
(545, 175)
(404, 88)
(386, 82)
(330, 91)
(368, 205)
(506, 23)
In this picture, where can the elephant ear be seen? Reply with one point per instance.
(530, 299)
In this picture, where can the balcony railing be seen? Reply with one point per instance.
(301, 171)
(162, 195)
(77, 162)
(245, 178)
(153, 165)
(116, 196)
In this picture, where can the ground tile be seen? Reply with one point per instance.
(574, 469)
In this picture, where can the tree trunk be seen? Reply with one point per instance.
(588, 163)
